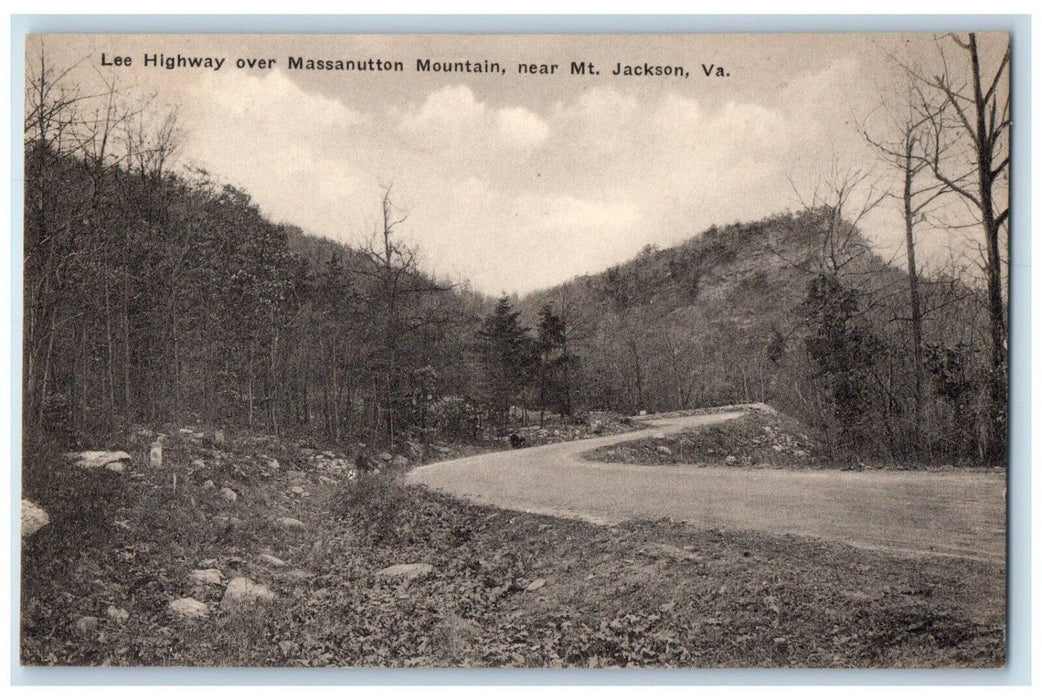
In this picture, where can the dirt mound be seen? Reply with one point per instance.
(762, 437)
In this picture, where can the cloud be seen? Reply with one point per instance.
(284, 146)
(446, 113)
(520, 128)
(452, 116)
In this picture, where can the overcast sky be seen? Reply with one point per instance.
(517, 182)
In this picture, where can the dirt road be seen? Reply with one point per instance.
(948, 513)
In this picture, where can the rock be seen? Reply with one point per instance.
(274, 465)
(731, 460)
(271, 560)
(400, 461)
(242, 591)
(209, 563)
(205, 577)
(657, 550)
(296, 474)
(536, 585)
(155, 455)
(297, 490)
(198, 464)
(228, 521)
(663, 450)
(384, 457)
(802, 454)
(117, 614)
(441, 449)
(298, 575)
(218, 436)
(188, 608)
(643, 413)
(328, 480)
(113, 461)
(229, 495)
(290, 524)
(33, 518)
(407, 571)
(87, 624)
(659, 436)
(777, 448)
(208, 484)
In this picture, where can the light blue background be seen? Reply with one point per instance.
(1019, 572)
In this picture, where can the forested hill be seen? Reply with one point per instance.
(157, 297)
(154, 297)
(795, 310)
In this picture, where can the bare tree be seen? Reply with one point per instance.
(975, 121)
(900, 141)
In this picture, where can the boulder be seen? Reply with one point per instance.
(243, 592)
(297, 490)
(731, 460)
(663, 450)
(117, 614)
(113, 461)
(290, 524)
(400, 461)
(298, 575)
(33, 518)
(87, 624)
(229, 495)
(198, 464)
(155, 455)
(407, 571)
(188, 608)
(536, 585)
(205, 577)
(385, 457)
(271, 560)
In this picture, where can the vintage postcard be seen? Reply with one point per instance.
(525, 351)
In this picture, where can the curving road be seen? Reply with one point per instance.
(947, 513)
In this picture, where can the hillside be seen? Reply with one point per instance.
(726, 317)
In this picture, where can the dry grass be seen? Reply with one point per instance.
(653, 594)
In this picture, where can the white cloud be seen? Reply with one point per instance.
(521, 128)
(282, 145)
(446, 113)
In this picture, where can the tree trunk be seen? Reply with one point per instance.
(913, 290)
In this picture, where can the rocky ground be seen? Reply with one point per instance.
(761, 438)
(248, 551)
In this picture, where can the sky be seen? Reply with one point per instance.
(518, 181)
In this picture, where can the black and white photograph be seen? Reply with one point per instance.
(515, 351)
